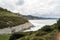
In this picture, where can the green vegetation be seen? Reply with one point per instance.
(45, 33)
(4, 37)
(10, 19)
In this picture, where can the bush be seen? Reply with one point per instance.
(47, 28)
(15, 36)
(58, 25)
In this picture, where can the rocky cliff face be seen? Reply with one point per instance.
(18, 28)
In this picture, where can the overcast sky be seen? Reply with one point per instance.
(45, 8)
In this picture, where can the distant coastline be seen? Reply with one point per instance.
(30, 17)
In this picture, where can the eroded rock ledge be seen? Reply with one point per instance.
(18, 28)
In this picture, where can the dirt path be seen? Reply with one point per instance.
(58, 36)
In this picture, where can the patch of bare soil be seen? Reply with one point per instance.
(58, 36)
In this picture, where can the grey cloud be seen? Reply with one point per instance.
(7, 6)
(51, 9)
(20, 2)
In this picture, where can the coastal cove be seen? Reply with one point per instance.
(40, 23)
(33, 25)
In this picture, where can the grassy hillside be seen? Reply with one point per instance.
(10, 19)
(4, 37)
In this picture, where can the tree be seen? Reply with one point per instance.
(58, 25)
(47, 28)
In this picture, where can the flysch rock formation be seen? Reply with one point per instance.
(18, 28)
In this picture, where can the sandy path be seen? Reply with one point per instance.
(58, 36)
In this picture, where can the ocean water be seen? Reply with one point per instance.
(40, 23)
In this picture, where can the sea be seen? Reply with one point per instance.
(38, 24)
